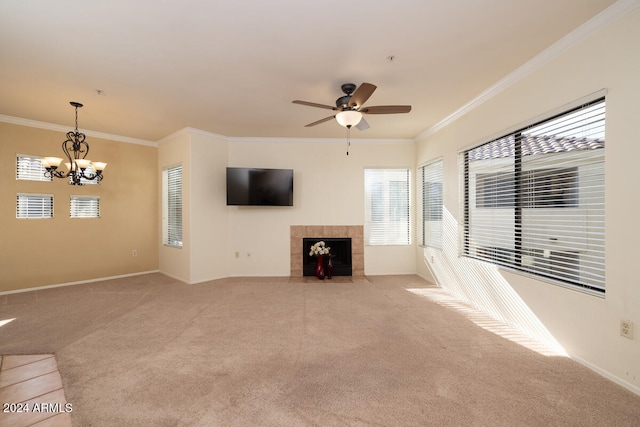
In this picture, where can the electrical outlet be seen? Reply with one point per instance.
(626, 329)
(134, 253)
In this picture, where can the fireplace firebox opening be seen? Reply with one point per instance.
(340, 255)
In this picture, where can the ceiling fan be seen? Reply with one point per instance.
(350, 108)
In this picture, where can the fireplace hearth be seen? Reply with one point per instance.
(300, 250)
(340, 255)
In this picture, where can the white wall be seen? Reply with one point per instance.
(586, 326)
(174, 150)
(208, 216)
(328, 190)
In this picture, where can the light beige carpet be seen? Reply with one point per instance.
(150, 351)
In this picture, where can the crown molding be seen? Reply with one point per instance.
(189, 131)
(272, 140)
(65, 129)
(611, 14)
(183, 131)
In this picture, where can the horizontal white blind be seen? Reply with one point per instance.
(431, 177)
(88, 171)
(34, 206)
(534, 199)
(30, 168)
(172, 206)
(84, 207)
(387, 207)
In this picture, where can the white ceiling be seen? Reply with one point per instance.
(233, 68)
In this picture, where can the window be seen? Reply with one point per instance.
(88, 171)
(34, 206)
(431, 183)
(551, 188)
(387, 207)
(30, 168)
(84, 207)
(172, 206)
(534, 199)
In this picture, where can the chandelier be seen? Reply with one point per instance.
(76, 150)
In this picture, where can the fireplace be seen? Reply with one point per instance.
(300, 250)
(340, 255)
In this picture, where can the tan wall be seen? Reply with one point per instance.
(173, 261)
(41, 252)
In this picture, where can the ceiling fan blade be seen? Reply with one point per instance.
(313, 104)
(326, 119)
(362, 93)
(362, 124)
(386, 109)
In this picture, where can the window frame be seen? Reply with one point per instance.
(432, 203)
(34, 171)
(75, 211)
(388, 219)
(541, 248)
(42, 197)
(172, 208)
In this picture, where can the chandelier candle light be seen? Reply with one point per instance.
(76, 150)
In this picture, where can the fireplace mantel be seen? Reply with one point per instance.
(355, 232)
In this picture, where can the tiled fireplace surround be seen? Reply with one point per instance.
(355, 232)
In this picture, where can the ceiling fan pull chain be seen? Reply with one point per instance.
(348, 139)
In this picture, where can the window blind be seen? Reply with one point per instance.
(84, 207)
(534, 199)
(387, 207)
(431, 177)
(34, 206)
(88, 171)
(30, 168)
(172, 206)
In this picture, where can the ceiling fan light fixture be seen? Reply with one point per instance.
(348, 118)
(349, 107)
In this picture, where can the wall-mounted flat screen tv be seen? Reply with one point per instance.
(259, 187)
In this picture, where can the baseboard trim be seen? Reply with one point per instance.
(427, 279)
(173, 276)
(608, 375)
(80, 282)
(235, 276)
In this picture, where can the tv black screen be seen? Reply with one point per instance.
(259, 187)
